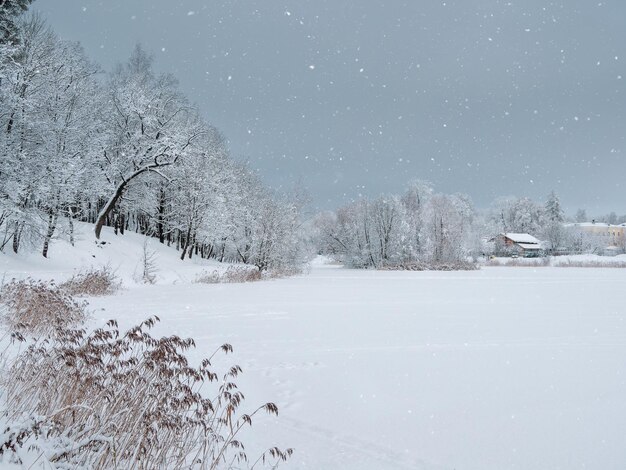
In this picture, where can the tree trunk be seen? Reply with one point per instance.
(52, 224)
(16, 237)
(108, 207)
(186, 242)
(110, 204)
(70, 221)
(160, 216)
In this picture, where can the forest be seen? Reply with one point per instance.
(127, 149)
(124, 149)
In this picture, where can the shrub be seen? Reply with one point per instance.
(241, 274)
(94, 282)
(459, 265)
(285, 271)
(590, 264)
(106, 400)
(234, 274)
(520, 262)
(206, 277)
(39, 308)
(557, 263)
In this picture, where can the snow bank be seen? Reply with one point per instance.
(122, 253)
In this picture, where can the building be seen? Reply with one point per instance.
(599, 237)
(520, 244)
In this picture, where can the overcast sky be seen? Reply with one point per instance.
(485, 97)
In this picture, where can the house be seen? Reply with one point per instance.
(599, 237)
(521, 244)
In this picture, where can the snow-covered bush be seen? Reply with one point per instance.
(125, 400)
(419, 229)
(459, 265)
(39, 308)
(515, 262)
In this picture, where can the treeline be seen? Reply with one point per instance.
(124, 149)
(427, 229)
(419, 226)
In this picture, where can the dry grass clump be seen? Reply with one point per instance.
(554, 262)
(234, 274)
(206, 277)
(459, 265)
(590, 264)
(284, 271)
(520, 262)
(94, 282)
(37, 307)
(241, 274)
(111, 400)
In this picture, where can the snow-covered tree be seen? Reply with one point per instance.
(150, 126)
(10, 11)
(517, 215)
(553, 231)
(553, 210)
(448, 221)
(68, 132)
(23, 90)
(414, 201)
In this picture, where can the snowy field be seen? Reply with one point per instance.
(501, 368)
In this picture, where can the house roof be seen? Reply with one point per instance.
(522, 238)
(530, 246)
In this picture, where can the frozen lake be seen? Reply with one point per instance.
(512, 368)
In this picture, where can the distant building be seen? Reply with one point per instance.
(600, 237)
(520, 244)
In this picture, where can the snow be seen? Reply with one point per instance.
(121, 253)
(592, 224)
(501, 368)
(522, 238)
(530, 246)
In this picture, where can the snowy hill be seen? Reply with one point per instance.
(122, 253)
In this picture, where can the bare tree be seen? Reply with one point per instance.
(151, 126)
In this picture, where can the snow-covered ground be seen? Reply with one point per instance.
(500, 368)
(122, 254)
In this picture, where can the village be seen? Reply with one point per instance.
(593, 237)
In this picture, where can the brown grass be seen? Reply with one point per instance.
(93, 282)
(520, 262)
(38, 308)
(234, 274)
(112, 400)
(433, 266)
(590, 264)
(239, 274)
(556, 263)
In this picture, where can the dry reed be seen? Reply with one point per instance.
(93, 282)
(111, 400)
(39, 308)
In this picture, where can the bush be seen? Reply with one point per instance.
(106, 400)
(234, 274)
(521, 262)
(241, 274)
(557, 263)
(206, 277)
(39, 308)
(590, 264)
(94, 282)
(459, 265)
